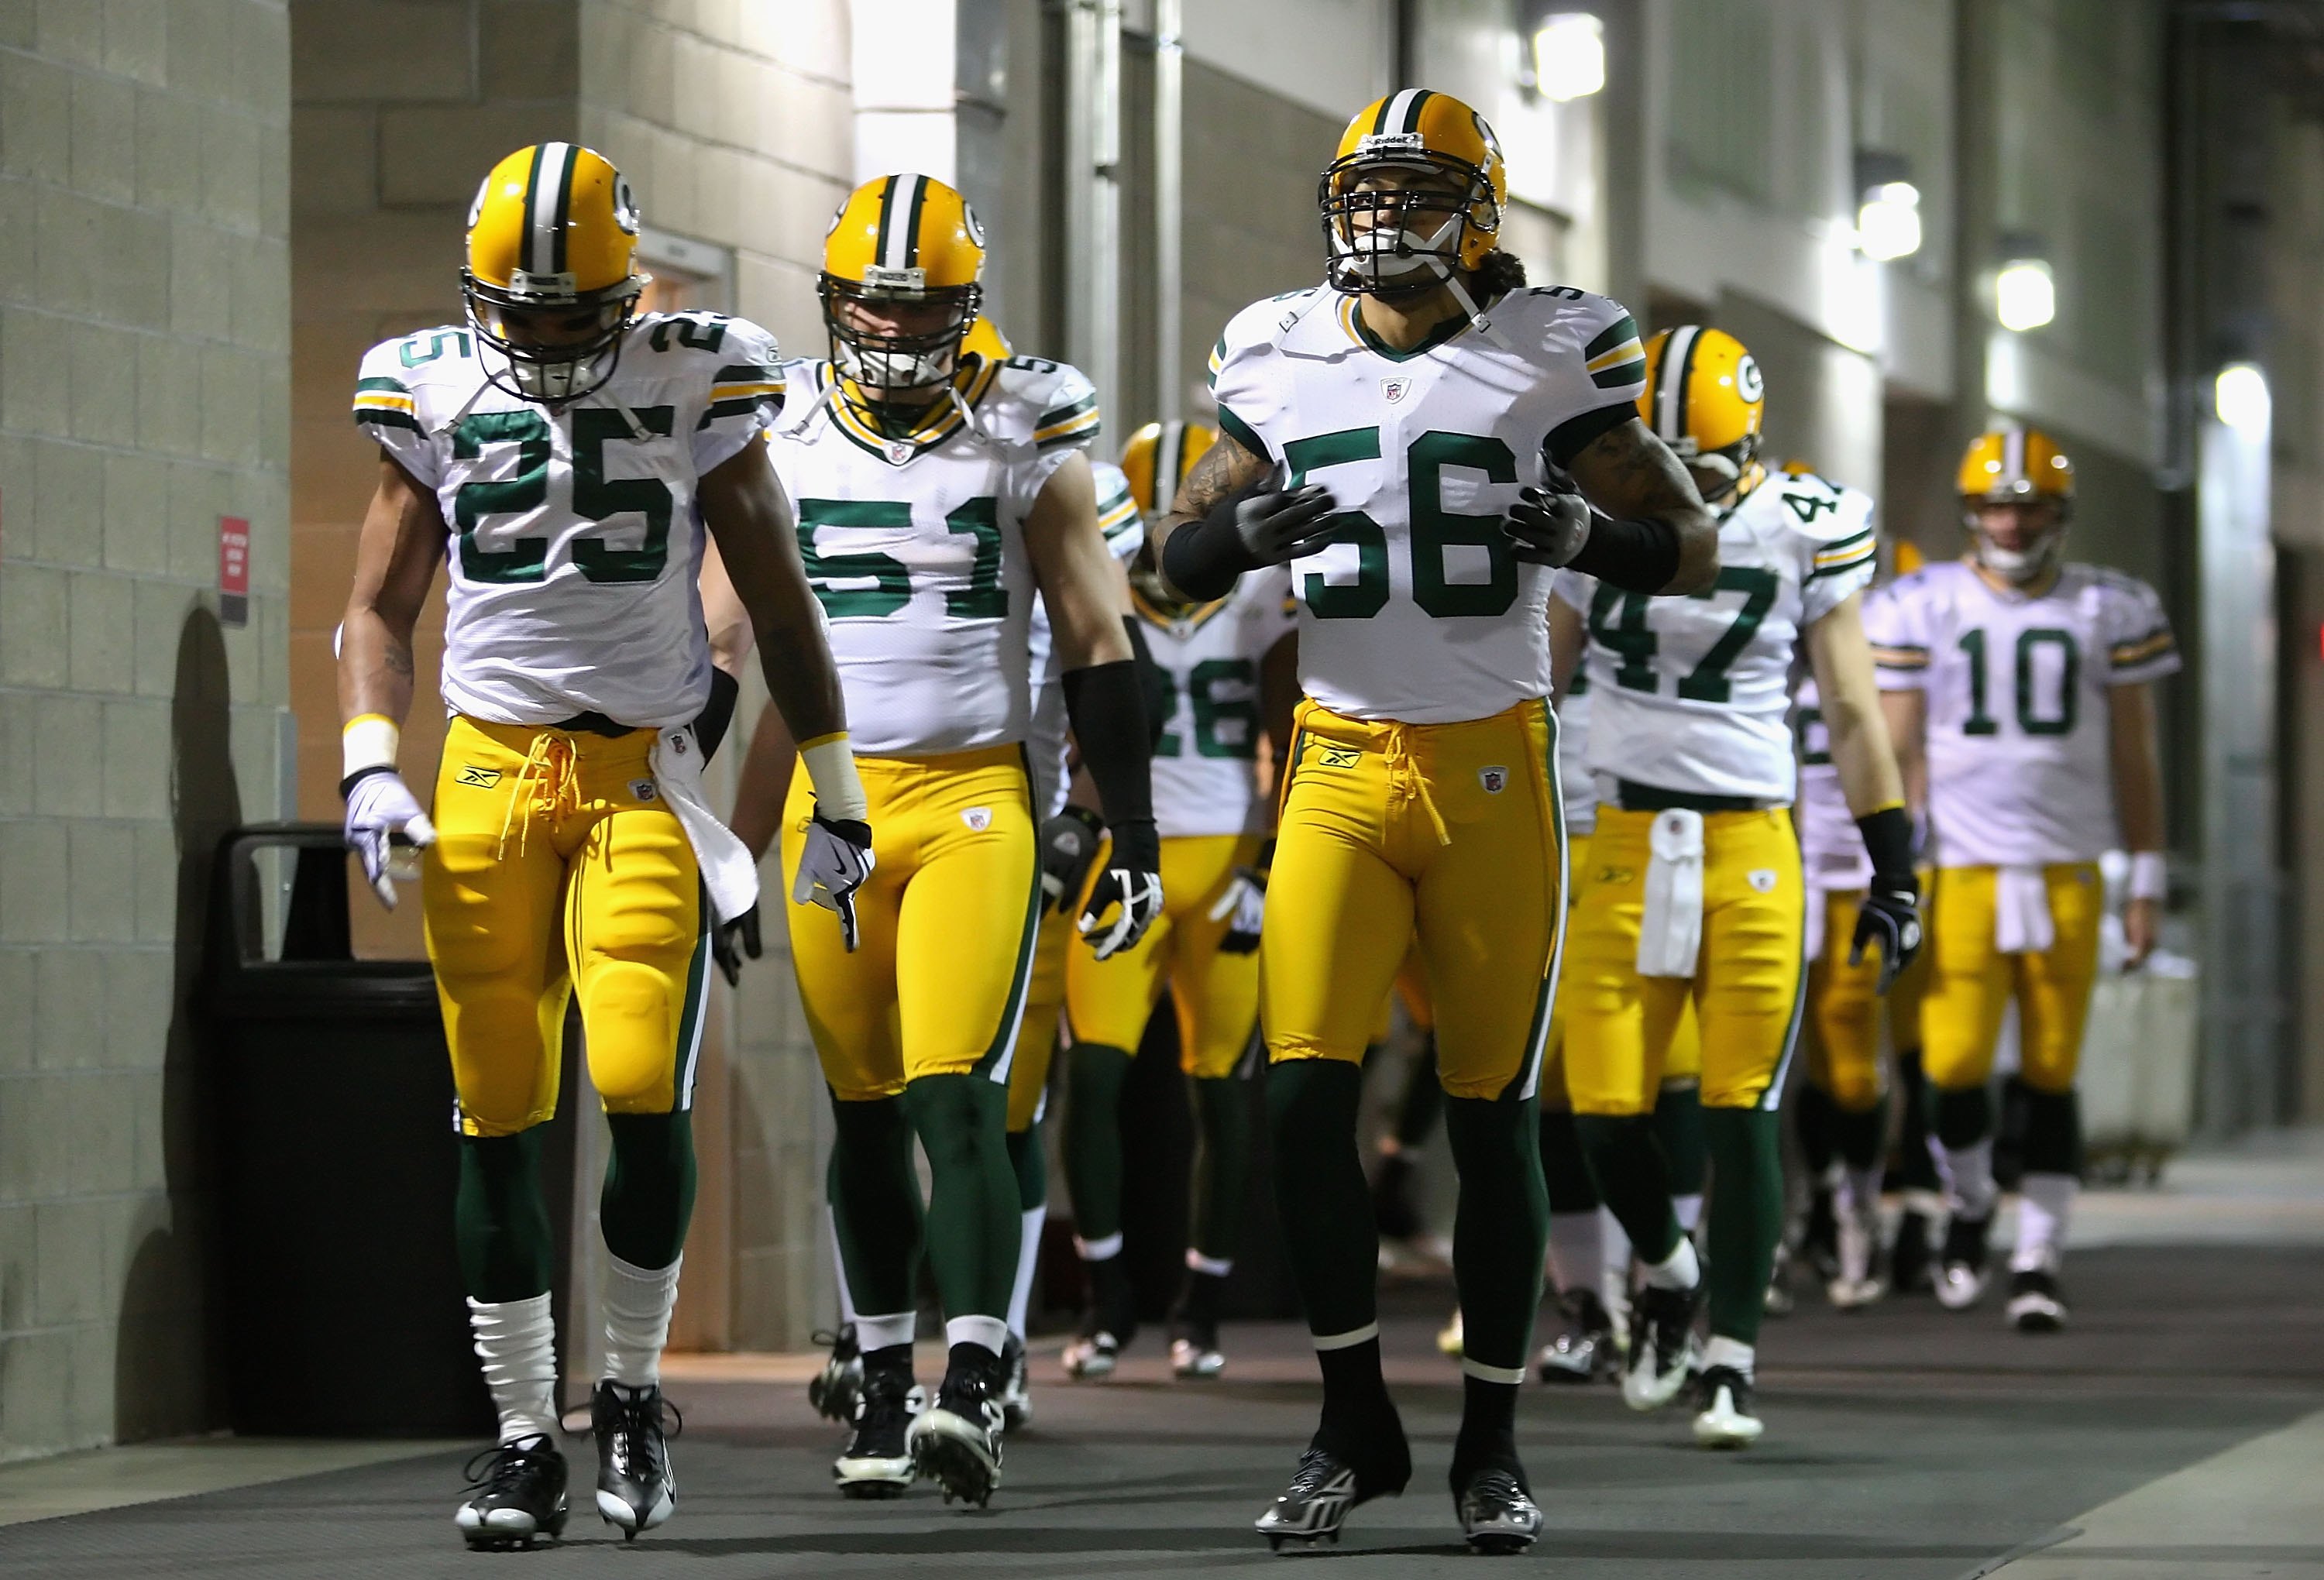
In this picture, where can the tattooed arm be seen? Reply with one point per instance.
(1225, 470)
(1630, 475)
(396, 556)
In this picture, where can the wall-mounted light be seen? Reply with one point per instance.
(2024, 293)
(1888, 207)
(1569, 56)
(2240, 396)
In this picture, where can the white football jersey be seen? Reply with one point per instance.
(916, 545)
(1206, 764)
(1831, 847)
(1690, 695)
(575, 536)
(1046, 742)
(2017, 729)
(1419, 611)
(1576, 793)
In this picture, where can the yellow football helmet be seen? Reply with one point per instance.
(551, 279)
(1374, 213)
(2025, 467)
(1705, 399)
(901, 242)
(1156, 461)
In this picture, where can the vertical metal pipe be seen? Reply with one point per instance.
(1093, 194)
(1169, 152)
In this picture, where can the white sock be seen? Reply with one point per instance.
(1029, 1257)
(638, 1302)
(1728, 1352)
(1577, 1250)
(1681, 1270)
(839, 1266)
(1967, 1174)
(990, 1332)
(2044, 1203)
(1688, 1211)
(874, 1333)
(1859, 1189)
(1099, 1250)
(1616, 1253)
(517, 1342)
(1210, 1266)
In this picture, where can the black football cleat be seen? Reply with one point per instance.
(1497, 1513)
(1727, 1419)
(636, 1488)
(1583, 1352)
(956, 1441)
(1662, 1349)
(516, 1495)
(833, 1390)
(1962, 1279)
(1016, 1387)
(1310, 1512)
(2035, 1303)
(877, 1462)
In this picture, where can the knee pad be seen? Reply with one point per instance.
(632, 1033)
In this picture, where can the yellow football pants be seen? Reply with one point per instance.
(1842, 1025)
(1215, 994)
(1449, 832)
(1746, 992)
(1036, 1041)
(937, 983)
(1682, 1063)
(556, 868)
(1971, 982)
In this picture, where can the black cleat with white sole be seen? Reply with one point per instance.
(516, 1495)
(636, 1488)
(1327, 1485)
(1664, 1352)
(1016, 1387)
(1583, 1351)
(2035, 1303)
(1497, 1513)
(877, 1462)
(956, 1441)
(833, 1390)
(1727, 1419)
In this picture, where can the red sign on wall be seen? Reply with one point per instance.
(234, 570)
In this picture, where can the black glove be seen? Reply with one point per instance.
(733, 940)
(1891, 917)
(1069, 843)
(1130, 888)
(1548, 526)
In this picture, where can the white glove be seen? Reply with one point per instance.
(380, 805)
(1246, 900)
(836, 860)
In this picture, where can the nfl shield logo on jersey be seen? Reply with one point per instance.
(1395, 389)
(899, 451)
(1494, 780)
(977, 818)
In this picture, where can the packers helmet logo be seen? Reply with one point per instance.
(1485, 135)
(1395, 389)
(1495, 780)
(478, 778)
(1340, 756)
(1748, 384)
(476, 206)
(970, 224)
(625, 207)
(977, 818)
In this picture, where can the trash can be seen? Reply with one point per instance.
(330, 1105)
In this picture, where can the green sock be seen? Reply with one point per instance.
(875, 1204)
(1633, 1180)
(973, 1224)
(1746, 1217)
(1094, 1073)
(1678, 1131)
(1562, 1167)
(1916, 1167)
(1812, 1117)
(1320, 1192)
(648, 1199)
(1500, 1233)
(1223, 1172)
(1029, 1161)
(500, 1220)
(1860, 1135)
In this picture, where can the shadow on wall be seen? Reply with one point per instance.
(167, 1374)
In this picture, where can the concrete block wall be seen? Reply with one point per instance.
(145, 353)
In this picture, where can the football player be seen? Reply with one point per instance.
(2021, 691)
(940, 486)
(1383, 434)
(1232, 673)
(1693, 888)
(561, 455)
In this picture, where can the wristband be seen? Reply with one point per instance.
(367, 742)
(831, 769)
(1888, 841)
(2150, 879)
(1637, 556)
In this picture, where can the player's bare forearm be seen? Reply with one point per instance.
(1566, 634)
(1631, 475)
(767, 769)
(1906, 715)
(724, 617)
(1080, 580)
(1848, 692)
(1225, 470)
(396, 555)
(749, 518)
(2137, 768)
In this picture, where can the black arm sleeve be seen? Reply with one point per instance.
(1888, 841)
(717, 713)
(1109, 720)
(1203, 558)
(1637, 556)
(1160, 692)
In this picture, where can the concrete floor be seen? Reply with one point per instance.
(2173, 1432)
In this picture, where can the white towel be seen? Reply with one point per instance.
(1819, 920)
(2021, 911)
(1670, 934)
(727, 869)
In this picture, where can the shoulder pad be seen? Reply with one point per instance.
(1056, 404)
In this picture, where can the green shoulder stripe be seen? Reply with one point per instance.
(374, 416)
(1623, 328)
(1241, 433)
(392, 386)
(1072, 409)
